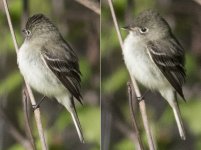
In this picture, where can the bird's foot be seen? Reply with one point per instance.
(142, 97)
(36, 106)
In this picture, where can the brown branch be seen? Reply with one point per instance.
(115, 23)
(37, 118)
(15, 133)
(136, 88)
(197, 1)
(91, 4)
(138, 140)
(143, 111)
(33, 102)
(27, 123)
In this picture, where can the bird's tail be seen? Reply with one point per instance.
(77, 123)
(178, 119)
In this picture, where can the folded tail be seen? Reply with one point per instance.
(77, 123)
(178, 119)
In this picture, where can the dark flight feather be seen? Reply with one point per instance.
(65, 67)
(172, 66)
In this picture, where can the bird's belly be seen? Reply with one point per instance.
(143, 69)
(37, 74)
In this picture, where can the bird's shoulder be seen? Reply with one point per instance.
(60, 49)
(168, 45)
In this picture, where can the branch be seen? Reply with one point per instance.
(115, 23)
(91, 4)
(144, 115)
(138, 140)
(197, 1)
(27, 123)
(33, 102)
(136, 88)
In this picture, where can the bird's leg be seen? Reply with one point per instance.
(142, 97)
(38, 104)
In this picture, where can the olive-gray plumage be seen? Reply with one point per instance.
(50, 65)
(156, 59)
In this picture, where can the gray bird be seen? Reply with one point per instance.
(50, 65)
(155, 58)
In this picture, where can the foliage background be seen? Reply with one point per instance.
(184, 17)
(80, 27)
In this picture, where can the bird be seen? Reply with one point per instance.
(155, 58)
(50, 65)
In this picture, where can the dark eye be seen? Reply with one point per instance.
(28, 32)
(143, 30)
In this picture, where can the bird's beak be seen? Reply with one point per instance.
(128, 28)
(131, 28)
(24, 31)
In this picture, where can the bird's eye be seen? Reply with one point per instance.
(143, 30)
(28, 32)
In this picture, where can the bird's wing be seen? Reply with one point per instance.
(64, 64)
(170, 62)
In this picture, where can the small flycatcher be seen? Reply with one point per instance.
(155, 58)
(50, 65)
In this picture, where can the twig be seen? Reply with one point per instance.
(144, 115)
(10, 25)
(15, 133)
(136, 88)
(91, 4)
(115, 23)
(138, 142)
(33, 102)
(37, 118)
(197, 1)
(27, 123)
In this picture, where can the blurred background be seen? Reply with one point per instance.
(80, 26)
(184, 17)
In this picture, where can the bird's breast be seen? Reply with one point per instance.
(140, 65)
(36, 73)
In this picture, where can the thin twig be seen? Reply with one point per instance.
(10, 25)
(27, 123)
(115, 23)
(144, 115)
(33, 102)
(37, 118)
(136, 88)
(138, 142)
(15, 133)
(91, 4)
(197, 1)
